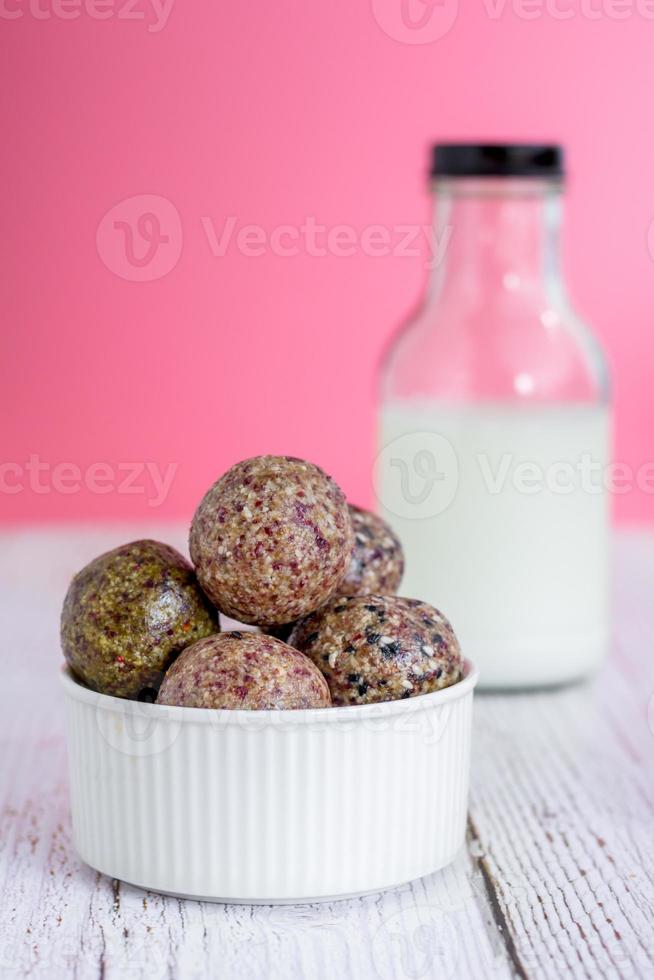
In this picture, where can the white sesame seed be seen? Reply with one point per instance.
(332, 659)
(385, 640)
(427, 649)
(407, 685)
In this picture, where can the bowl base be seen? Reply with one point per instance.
(343, 897)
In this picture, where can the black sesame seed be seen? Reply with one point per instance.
(371, 608)
(350, 649)
(353, 678)
(390, 650)
(373, 638)
(339, 609)
(362, 688)
(237, 635)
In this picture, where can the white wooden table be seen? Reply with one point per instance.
(557, 879)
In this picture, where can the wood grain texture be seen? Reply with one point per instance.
(557, 878)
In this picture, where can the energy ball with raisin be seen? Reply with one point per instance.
(271, 540)
(377, 562)
(128, 614)
(244, 670)
(380, 648)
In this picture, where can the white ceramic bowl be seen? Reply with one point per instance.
(269, 806)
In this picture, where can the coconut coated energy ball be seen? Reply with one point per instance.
(377, 562)
(380, 648)
(128, 614)
(244, 670)
(271, 540)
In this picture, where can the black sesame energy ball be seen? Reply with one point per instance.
(379, 648)
(271, 540)
(244, 670)
(128, 614)
(377, 562)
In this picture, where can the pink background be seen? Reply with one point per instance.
(269, 113)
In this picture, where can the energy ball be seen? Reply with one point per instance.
(271, 540)
(244, 670)
(128, 614)
(377, 562)
(380, 648)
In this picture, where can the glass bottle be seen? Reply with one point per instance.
(495, 427)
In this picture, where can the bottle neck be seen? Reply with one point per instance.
(496, 236)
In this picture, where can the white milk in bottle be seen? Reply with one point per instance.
(494, 429)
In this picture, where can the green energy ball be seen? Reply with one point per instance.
(271, 540)
(128, 614)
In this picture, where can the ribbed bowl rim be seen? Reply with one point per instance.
(301, 716)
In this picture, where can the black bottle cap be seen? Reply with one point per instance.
(497, 160)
